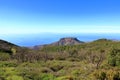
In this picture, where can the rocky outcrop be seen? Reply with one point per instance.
(67, 41)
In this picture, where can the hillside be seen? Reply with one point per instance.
(7, 46)
(97, 60)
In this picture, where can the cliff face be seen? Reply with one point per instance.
(67, 41)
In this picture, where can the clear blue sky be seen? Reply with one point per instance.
(59, 16)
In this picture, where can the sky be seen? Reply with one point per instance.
(59, 16)
(33, 22)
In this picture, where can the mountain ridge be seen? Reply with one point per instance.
(67, 41)
(62, 42)
(6, 46)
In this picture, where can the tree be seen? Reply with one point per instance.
(96, 57)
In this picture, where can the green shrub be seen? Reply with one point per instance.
(8, 64)
(46, 77)
(65, 78)
(41, 76)
(4, 56)
(14, 77)
(114, 57)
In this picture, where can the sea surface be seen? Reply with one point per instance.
(47, 38)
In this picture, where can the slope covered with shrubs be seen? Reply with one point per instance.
(97, 60)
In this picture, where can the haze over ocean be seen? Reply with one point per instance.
(47, 38)
(34, 22)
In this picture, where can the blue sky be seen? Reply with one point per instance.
(59, 16)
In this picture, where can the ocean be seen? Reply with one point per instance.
(47, 38)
